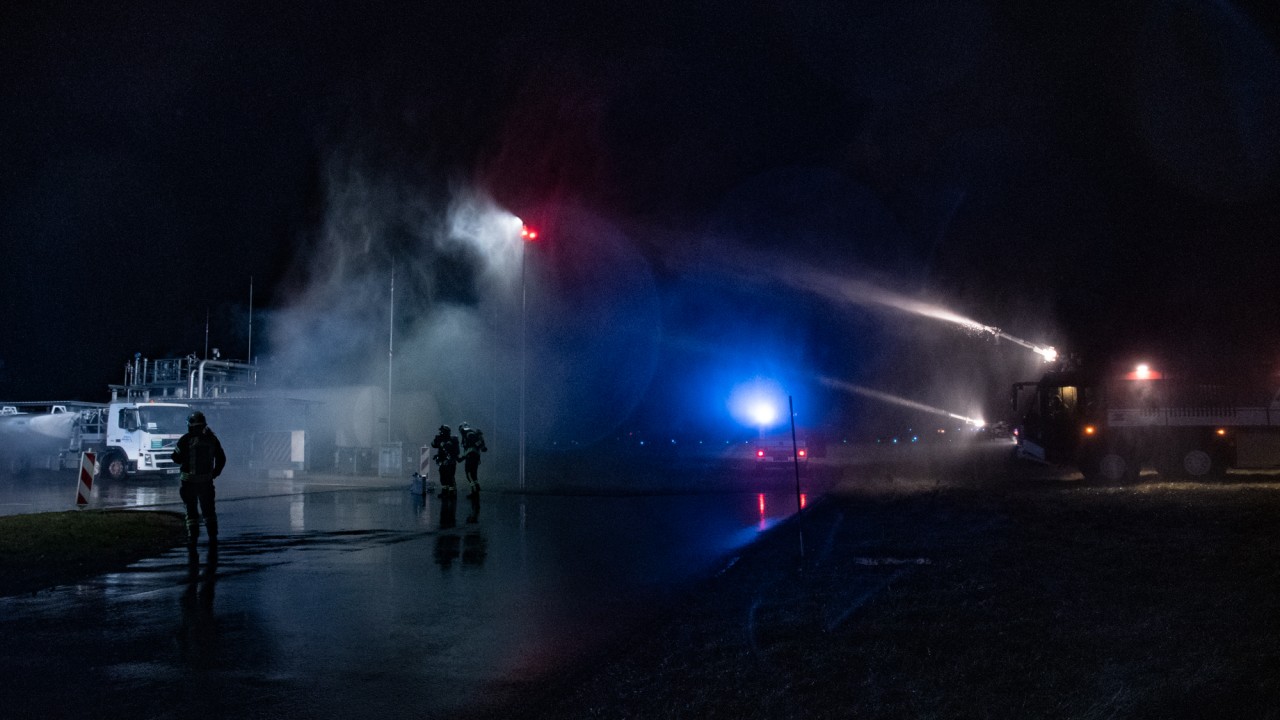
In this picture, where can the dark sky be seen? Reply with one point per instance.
(1104, 176)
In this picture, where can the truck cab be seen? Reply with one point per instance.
(1053, 415)
(137, 437)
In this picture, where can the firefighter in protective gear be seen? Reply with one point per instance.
(200, 456)
(446, 457)
(472, 446)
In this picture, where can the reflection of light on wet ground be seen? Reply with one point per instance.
(297, 514)
(143, 496)
(767, 522)
(131, 493)
(319, 588)
(770, 509)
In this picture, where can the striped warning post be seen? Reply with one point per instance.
(85, 484)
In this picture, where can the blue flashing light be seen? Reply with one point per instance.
(758, 403)
(763, 413)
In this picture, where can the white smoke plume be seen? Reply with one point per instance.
(447, 340)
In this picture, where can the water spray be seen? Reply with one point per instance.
(894, 399)
(858, 292)
(862, 293)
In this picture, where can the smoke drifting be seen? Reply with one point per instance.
(439, 300)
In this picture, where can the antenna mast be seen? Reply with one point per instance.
(249, 354)
(391, 344)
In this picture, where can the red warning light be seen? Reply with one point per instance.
(528, 233)
(1144, 372)
(760, 453)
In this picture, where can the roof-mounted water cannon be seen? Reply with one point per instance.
(1047, 352)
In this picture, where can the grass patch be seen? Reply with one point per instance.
(41, 550)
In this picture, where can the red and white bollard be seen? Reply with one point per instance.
(422, 477)
(85, 485)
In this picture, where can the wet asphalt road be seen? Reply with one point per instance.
(354, 597)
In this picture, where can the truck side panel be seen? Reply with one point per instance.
(1258, 449)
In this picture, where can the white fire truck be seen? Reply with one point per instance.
(126, 437)
(1110, 427)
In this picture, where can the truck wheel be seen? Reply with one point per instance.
(1117, 467)
(1197, 463)
(1201, 464)
(1112, 466)
(113, 467)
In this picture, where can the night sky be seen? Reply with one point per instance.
(1103, 180)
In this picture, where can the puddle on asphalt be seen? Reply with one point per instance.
(340, 600)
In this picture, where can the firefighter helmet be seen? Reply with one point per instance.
(196, 419)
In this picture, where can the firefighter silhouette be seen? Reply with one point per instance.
(200, 456)
(446, 457)
(472, 446)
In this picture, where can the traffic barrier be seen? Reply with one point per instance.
(424, 461)
(85, 485)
